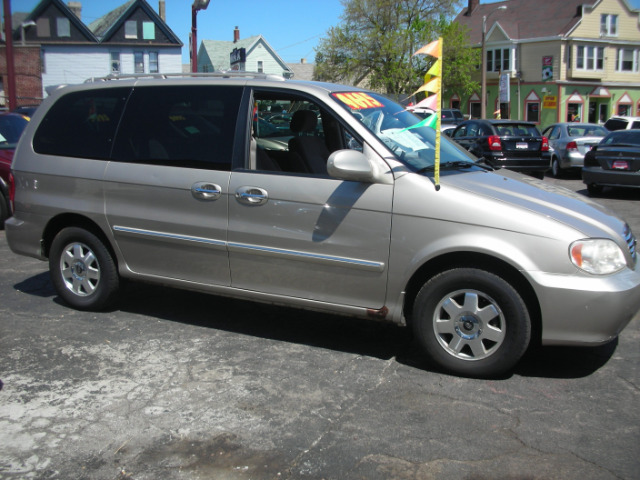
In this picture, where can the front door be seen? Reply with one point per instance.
(293, 230)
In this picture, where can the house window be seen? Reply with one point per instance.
(130, 29)
(498, 60)
(153, 62)
(260, 67)
(609, 25)
(115, 62)
(533, 112)
(624, 110)
(574, 112)
(43, 27)
(627, 60)
(138, 62)
(589, 58)
(148, 30)
(63, 27)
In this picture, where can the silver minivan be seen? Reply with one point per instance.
(191, 182)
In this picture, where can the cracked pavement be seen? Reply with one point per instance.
(182, 385)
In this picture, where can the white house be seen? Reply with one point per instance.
(130, 39)
(253, 54)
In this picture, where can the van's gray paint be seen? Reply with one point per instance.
(339, 246)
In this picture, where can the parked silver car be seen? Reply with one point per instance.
(569, 142)
(167, 181)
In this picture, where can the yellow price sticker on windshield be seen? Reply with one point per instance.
(358, 100)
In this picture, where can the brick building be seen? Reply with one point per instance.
(26, 59)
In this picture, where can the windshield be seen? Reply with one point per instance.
(405, 134)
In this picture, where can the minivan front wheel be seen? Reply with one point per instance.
(471, 322)
(82, 269)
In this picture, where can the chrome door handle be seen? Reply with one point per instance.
(252, 195)
(206, 191)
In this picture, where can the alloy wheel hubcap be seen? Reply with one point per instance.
(80, 269)
(469, 325)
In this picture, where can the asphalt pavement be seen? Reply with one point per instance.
(182, 385)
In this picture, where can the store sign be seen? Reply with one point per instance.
(547, 68)
(505, 90)
(550, 101)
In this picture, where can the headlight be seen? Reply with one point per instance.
(599, 256)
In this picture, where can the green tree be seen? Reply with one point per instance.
(376, 39)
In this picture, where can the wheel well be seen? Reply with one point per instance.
(483, 262)
(73, 220)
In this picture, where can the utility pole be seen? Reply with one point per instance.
(11, 72)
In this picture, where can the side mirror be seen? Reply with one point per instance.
(350, 165)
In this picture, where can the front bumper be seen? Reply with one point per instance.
(586, 310)
(611, 178)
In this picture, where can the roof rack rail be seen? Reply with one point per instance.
(229, 74)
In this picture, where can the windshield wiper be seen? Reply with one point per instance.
(457, 164)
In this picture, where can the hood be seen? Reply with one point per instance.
(549, 202)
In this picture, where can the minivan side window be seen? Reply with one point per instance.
(184, 126)
(81, 124)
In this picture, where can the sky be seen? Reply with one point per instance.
(293, 28)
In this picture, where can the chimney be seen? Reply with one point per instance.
(76, 8)
(473, 4)
(303, 61)
(236, 35)
(162, 10)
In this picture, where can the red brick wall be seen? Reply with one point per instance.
(28, 73)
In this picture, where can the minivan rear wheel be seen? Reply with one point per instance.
(82, 269)
(471, 322)
(4, 210)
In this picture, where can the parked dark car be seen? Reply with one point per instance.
(11, 127)
(614, 162)
(451, 116)
(569, 142)
(26, 110)
(508, 144)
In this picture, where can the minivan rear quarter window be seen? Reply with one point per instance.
(82, 124)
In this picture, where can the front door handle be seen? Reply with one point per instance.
(206, 191)
(252, 195)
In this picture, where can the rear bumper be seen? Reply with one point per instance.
(611, 178)
(24, 237)
(572, 160)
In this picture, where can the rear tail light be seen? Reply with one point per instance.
(545, 144)
(12, 190)
(494, 143)
(572, 147)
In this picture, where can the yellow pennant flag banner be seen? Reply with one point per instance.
(433, 84)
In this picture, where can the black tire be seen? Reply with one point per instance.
(83, 270)
(471, 323)
(594, 190)
(556, 169)
(4, 210)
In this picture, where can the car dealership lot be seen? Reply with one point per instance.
(176, 384)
